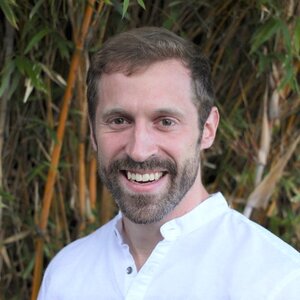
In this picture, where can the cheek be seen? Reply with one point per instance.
(109, 147)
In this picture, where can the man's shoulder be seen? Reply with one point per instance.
(251, 232)
(83, 249)
(79, 263)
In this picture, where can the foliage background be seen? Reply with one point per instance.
(253, 47)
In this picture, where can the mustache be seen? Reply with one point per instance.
(153, 163)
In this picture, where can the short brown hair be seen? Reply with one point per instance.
(130, 51)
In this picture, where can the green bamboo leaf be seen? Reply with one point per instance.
(7, 8)
(35, 8)
(125, 7)
(31, 70)
(8, 69)
(64, 46)
(297, 36)
(14, 84)
(6, 195)
(39, 171)
(28, 270)
(265, 33)
(54, 76)
(287, 38)
(36, 38)
(141, 3)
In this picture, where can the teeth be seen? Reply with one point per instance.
(144, 177)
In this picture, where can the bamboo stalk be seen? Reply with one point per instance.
(82, 100)
(82, 186)
(8, 46)
(63, 214)
(93, 183)
(48, 192)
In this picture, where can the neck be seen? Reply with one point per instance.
(142, 239)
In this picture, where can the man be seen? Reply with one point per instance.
(151, 112)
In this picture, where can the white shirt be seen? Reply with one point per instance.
(211, 253)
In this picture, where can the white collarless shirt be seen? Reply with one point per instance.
(211, 253)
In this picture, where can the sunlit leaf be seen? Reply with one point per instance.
(53, 75)
(141, 3)
(31, 70)
(7, 8)
(28, 90)
(125, 7)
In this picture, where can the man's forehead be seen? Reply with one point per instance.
(130, 69)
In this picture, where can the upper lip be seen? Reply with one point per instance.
(145, 171)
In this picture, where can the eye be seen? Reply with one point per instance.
(118, 123)
(167, 122)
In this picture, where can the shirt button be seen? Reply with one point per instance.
(129, 270)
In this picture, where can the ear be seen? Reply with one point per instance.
(210, 129)
(92, 136)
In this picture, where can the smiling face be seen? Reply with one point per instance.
(148, 141)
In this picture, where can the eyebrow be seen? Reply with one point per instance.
(169, 111)
(161, 111)
(114, 111)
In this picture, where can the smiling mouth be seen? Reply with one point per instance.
(145, 177)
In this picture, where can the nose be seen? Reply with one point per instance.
(141, 144)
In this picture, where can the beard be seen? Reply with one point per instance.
(148, 208)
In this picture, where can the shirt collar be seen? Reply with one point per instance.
(206, 211)
(197, 217)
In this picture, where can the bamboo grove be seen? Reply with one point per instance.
(49, 189)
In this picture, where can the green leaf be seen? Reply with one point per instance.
(28, 270)
(141, 3)
(39, 171)
(7, 8)
(14, 84)
(287, 38)
(6, 195)
(35, 8)
(297, 36)
(7, 71)
(36, 38)
(31, 70)
(64, 46)
(125, 7)
(265, 33)
(53, 75)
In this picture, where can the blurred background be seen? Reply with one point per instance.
(49, 189)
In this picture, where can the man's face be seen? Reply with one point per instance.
(147, 139)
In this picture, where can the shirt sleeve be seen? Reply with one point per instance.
(44, 293)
